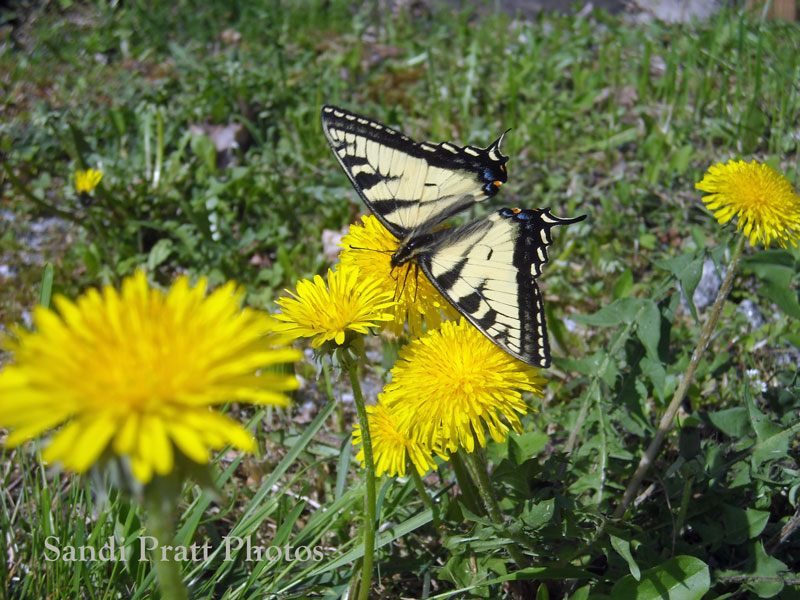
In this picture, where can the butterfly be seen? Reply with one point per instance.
(487, 268)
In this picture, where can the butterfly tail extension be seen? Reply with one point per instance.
(493, 150)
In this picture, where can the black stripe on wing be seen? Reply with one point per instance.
(530, 255)
(444, 155)
(473, 174)
(487, 269)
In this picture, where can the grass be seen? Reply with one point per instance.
(610, 119)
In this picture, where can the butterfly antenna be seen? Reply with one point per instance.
(405, 279)
(416, 280)
(396, 280)
(349, 247)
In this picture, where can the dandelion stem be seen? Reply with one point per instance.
(423, 493)
(160, 496)
(370, 498)
(466, 482)
(478, 470)
(665, 425)
(23, 189)
(326, 370)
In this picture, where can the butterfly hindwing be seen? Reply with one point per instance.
(410, 186)
(488, 269)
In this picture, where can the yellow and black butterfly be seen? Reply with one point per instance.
(487, 268)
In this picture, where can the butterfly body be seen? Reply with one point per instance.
(486, 268)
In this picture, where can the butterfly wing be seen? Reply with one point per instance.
(410, 186)
(488, 268)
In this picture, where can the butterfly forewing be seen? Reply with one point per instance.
(410, 186)
(488, 270)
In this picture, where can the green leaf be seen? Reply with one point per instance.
(543, 573)
(46, 289)
(117, 118)
(751, 127)
(581, 593)
(793, 339)
(760, 422)
(648, 328)
(783, 258)
(742, 525)
(206, 151)
(689, 444)
(522, 447)
(679, 161)
(539, 514)
(681, 578)
(159, 253)
(778, 275)
(91, 258)
(773, 441)
(647, 240)
(623, 286)
(688, 269)
(620, 311)
(699, 236)
(623, 548)
(591, 365)
(542, 593)
(288, 523)
(784, 297)
(733, 422)
(341, 470)
(654, 369)
(766, 567)
(79, 145)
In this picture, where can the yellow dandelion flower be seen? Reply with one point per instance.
(347, 303)
(136, 372)
(762, 199)
(390, 446)
(86, 181)
(369, 248)
(451, 382)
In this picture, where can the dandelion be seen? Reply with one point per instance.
(767, 208)
(450, 383)
(135, 372)
(86, 181)
(762, 199)
(391, 446)
(368, 247)
(347, 304)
